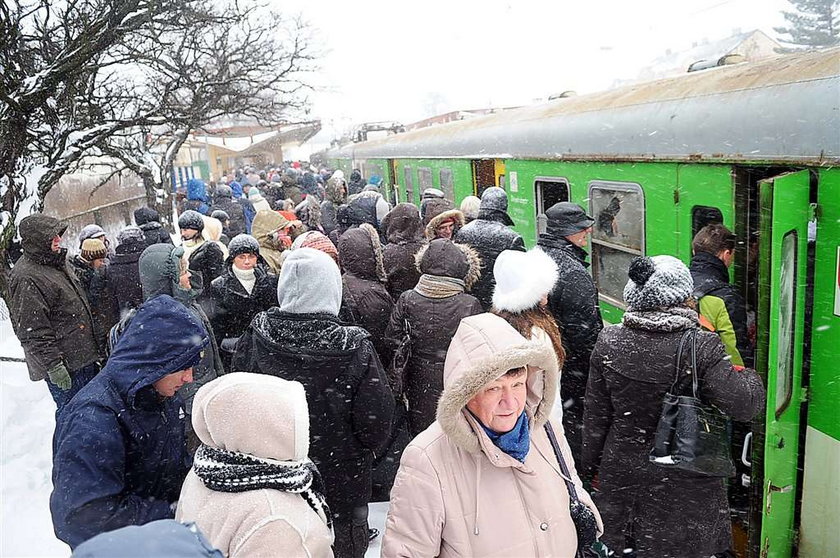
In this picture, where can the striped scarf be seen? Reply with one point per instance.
(436, 286)
(232, 471)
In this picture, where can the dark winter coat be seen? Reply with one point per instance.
(124, 276)
(722, 305)
(50, 313)
(119, 453)
(209, 260)
(248, 211)
(356, 183)
(350, 404)
(103, 306)
(680, 514)
(235, 212)
(365, 297)
(233, 307)
(574, 304)
(489, 235)
(432, 323)
(404, 231)
(149, 220)
(177, 540)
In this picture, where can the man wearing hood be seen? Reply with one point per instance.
(50, 313)
(240, 197)
(234, 210)
(336, 196)
(274, 233)
(197, 197)
(119, 447)
(350, 405)
(404, 231)
(356, 183)
(490, 235)
(574, 304)
(163, 271)
(149, 221)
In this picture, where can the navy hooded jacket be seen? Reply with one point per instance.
(166, 538)
(119, 454)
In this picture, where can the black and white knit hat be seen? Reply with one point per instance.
(190, 219)
(657, 282)
(243, 244)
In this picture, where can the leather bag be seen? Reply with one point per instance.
(691, 435)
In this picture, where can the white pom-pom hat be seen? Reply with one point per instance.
(522, 279)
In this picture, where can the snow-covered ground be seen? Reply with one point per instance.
(27, 421)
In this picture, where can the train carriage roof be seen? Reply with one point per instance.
(779, 110)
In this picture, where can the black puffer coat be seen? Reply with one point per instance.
(404, 232)
(236, 214)
(365, 299)
(209, 260)
(489, 235)
(574, 304)
(124, 276)
(432, 323)
(149, 220)
(233, 307)
(679, 514)
(350, 405)
(103, 306)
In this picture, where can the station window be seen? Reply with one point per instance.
(787, 321)
(549, 191)
(702, 215)
(424, 175)
(618, 234)
(409, 184)
(447, 184)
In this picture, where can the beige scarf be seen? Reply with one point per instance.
(436, 286)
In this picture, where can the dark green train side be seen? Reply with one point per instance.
(756, 146)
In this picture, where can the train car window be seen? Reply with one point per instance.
(702, 215)
(447, 184)
(409, 184)
(548, 191)
(787, 319)
(424, 174)
(618, 234)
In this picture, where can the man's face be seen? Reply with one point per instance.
(171, 383)
(499, 404)
(445, 230)
(188, 234)
(579, 238)
(55, 245)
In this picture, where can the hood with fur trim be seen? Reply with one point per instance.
(445, 258)
(361, 253)
(454, 215)
(483, 349)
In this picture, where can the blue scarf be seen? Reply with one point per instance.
(515, 443)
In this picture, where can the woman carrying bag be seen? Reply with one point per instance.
(665, 506)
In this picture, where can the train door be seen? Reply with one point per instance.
(392, 169)
(783, 279)
(484, 175)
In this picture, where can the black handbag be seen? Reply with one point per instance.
(586, 525)
(402, 354)
(691, 435)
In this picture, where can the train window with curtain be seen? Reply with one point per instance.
(618, 234)
(447, 184)
(424, 175)
(409, 184)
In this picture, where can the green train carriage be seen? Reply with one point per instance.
(756, 146)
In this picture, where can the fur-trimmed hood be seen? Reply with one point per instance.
(361, 253)
(484, 348)
(450, 215)
(445, 258)
(402, 224)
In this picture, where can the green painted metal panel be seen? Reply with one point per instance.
(706, 186)
(824, 400)
(783, 248)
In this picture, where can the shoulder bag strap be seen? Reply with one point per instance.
(678, 361)
(570, 486)
(694, 379)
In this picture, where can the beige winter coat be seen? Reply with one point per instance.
(457, 494)
(267, 417)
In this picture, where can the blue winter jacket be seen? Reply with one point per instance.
(166, 538)
(197, 196)
(119, 454)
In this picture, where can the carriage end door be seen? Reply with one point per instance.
(783, 252)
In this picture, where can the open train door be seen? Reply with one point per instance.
(783, 253)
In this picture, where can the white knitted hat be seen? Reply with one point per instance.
(522, 279)
(657, 282)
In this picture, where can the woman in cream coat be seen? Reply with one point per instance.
(460, 493)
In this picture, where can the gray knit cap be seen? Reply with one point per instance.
(130, 234)
(243, 244)
(190, 219)
(657, 282)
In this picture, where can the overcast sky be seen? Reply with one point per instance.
(407, 60)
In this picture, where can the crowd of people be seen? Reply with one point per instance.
(306, 348)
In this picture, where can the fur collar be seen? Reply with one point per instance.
(435, 222)
(473, 261)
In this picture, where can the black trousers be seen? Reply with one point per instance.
(351, 533)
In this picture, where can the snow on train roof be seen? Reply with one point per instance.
(783, 109)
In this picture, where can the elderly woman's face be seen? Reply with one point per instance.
(499, 404)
